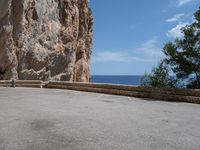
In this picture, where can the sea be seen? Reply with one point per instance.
(117, 79)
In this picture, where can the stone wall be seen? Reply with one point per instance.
(162, 94)
(166, 94)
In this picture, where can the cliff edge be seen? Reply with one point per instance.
(45, 40)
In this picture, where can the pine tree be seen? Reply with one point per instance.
(183, 55)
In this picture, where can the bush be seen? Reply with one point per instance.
(159, 77)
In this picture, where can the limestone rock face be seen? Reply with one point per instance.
(45, 39)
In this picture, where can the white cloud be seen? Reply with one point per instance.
(176, 31)
(193, 19)
(147, 52)
(183, 2)
(150, 49)
(175, 18)
(116, 56)
(107, 56)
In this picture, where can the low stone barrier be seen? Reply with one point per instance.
(29, 83)
(183, 92)
(176, 95)
(166, 94)
(5, 83)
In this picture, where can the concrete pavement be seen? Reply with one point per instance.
(50, 119)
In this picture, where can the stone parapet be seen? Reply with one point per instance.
(29, 83)
(5, 83)
(148, 93)
(172, 91)
(174, 95)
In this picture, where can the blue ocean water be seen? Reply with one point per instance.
(116, 79)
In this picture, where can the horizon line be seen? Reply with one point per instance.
(115, 75)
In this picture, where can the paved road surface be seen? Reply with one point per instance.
(49, 119)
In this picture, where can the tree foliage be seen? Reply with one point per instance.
(183, 55)
(159, 77)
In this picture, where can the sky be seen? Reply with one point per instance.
(129, 34)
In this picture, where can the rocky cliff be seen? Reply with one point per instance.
(45, 39)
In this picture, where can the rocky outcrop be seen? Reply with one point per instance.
(45, 39)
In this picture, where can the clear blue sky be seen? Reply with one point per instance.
(129, 34)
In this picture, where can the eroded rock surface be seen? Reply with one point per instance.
(45, 39)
